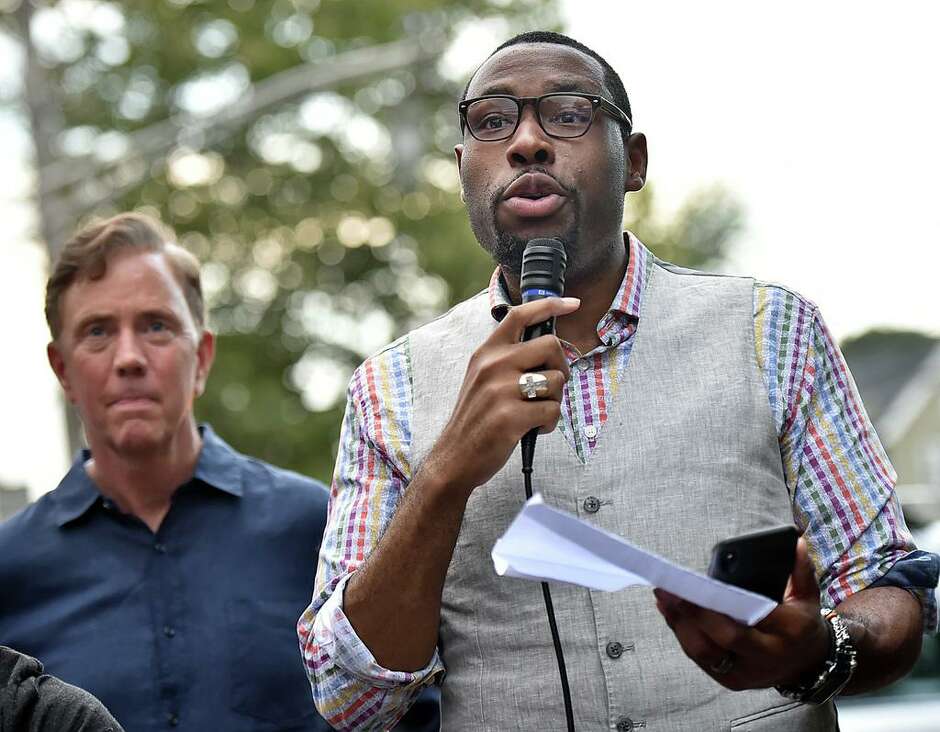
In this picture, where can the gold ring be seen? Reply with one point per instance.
(533, 385)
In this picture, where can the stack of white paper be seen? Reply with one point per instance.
(543, 543)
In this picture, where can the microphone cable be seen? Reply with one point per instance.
(552, 624)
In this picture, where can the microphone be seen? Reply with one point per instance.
(543, 275)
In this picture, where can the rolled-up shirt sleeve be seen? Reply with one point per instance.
(350, 689)
(840, 478)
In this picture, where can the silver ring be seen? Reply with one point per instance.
(724, 665)
(533, 385)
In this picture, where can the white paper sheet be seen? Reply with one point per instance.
(543, 543)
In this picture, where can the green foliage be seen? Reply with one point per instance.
(329, 223)
(696, 236)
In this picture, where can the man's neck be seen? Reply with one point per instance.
(143, 484)
(596, 291)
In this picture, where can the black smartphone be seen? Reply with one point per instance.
(760, 562)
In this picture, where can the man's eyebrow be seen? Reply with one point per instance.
(159, 314)
(90, 318)
(572, 85)
(496, 89)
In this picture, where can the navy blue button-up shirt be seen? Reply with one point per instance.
(191, 628)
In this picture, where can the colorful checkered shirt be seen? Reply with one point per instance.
(835, 467)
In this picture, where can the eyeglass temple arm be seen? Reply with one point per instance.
(611, 107)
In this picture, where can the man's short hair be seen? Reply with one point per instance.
(86, 255)
(611, 78)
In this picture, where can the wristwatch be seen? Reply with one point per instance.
(836, 671)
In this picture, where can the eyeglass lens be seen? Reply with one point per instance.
(561, 115)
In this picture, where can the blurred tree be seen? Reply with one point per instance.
(697, 235)
(328, 219)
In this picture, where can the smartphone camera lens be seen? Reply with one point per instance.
(728, 559)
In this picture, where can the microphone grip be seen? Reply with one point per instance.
(546, 327)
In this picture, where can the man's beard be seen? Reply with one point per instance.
(508, 248)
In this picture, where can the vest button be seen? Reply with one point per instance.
(624, 724)
(591, 504)
(614, 649)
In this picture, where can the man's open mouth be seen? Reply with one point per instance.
(534, 195)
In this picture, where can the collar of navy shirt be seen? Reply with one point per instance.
(219, 467)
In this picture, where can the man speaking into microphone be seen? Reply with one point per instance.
(675, 409)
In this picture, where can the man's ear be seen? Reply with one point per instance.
(205, 355)
(57, 362)
(635, 169)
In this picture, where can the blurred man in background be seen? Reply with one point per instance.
(689, 407)
(166, 571)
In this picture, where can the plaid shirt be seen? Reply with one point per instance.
(840, 479)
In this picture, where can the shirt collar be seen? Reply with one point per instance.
(629, 296)
(219, 467)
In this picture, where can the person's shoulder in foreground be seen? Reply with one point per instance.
(31, 701)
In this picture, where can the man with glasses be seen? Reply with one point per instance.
(678, 409)
(564, 115)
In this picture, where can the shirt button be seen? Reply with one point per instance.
(614, 649)
(169, 631)
(624, 724)
(591, 504)
(581, 365)
(590, 432)
(159, 548)
(173, 720)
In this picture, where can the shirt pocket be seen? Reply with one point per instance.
(266, 677)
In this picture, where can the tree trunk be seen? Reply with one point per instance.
(46, 123)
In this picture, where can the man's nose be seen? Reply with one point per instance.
(129, 359)
(529, 144)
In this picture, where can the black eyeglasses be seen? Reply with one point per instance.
(564, 114)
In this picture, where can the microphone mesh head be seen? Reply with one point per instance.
(543, 269)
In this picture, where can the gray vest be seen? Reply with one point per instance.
(688, 456)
